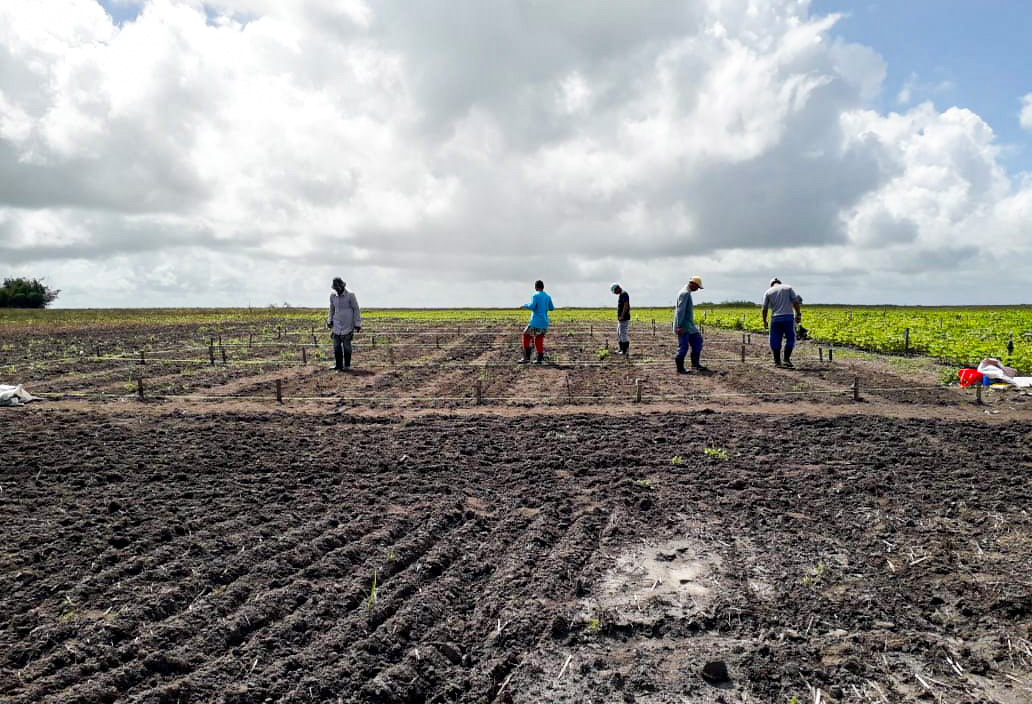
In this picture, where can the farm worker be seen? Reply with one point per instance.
(535, 331)
(623, 317)
(345, 320)
(780, 299)
(688, 334)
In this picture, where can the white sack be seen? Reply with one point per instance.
(14, 395)
(993, 369)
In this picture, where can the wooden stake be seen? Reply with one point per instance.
(220, 339)
(653, 327)
(223, 350)
(279, 391)
(1010, 344)
(139, 386)
(743, 350)
(478, 390)
(820, 353)
(250, 340)
(637, 390)
(143, 360)
(856, 388)
(211, 353)
(437, 341)
(830, 350)
(978, 393)
(304, 356)
(906, 341)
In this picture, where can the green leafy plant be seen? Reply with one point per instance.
(603, 354)
(816, 575)
(677, 460)
(644, 483)
(594, 625)
(718, 453)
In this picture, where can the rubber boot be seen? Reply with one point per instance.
(338, 358)
(540, 357)
(623, 348)
(679, 361)
(526, 356)
(788, 359)
(347, 361)
(777, 357)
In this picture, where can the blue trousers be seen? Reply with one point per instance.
(782, 326)
(692, 340)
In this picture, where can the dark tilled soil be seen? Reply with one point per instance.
(171, 556)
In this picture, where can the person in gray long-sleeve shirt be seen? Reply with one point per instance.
(345, 319)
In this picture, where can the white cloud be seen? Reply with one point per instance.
(1026, 112)
(253, 148)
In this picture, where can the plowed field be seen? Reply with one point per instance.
(579, 550)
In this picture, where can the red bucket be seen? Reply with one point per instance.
(969, 377)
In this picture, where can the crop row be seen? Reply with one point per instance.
(957, 336)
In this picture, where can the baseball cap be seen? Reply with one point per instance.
(697, 280)
(614, 286)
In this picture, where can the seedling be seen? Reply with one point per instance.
(603, 354)
(391, 555)
(816, 576)
(644, 483)
(717, 453)
(677, 460)
(594, 625)
(371, 599)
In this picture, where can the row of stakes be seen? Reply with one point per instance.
(478, 390)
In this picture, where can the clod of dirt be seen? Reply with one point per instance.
(715, 672)
(560, 627)
(114, 507)
(119, 541)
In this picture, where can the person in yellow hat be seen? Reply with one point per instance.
(688, 334)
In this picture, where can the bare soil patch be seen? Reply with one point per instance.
(212, 555)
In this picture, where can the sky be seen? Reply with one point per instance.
(439, 153)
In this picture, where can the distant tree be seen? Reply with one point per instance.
(26, 293)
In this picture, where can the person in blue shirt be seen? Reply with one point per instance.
(535, 331)
(688, 333)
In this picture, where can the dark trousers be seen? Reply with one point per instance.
(342, 350)
(692, 340)
(782, 326)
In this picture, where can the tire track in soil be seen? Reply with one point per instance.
(191, 626)
(431, 546)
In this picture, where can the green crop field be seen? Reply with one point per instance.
(960, 336)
